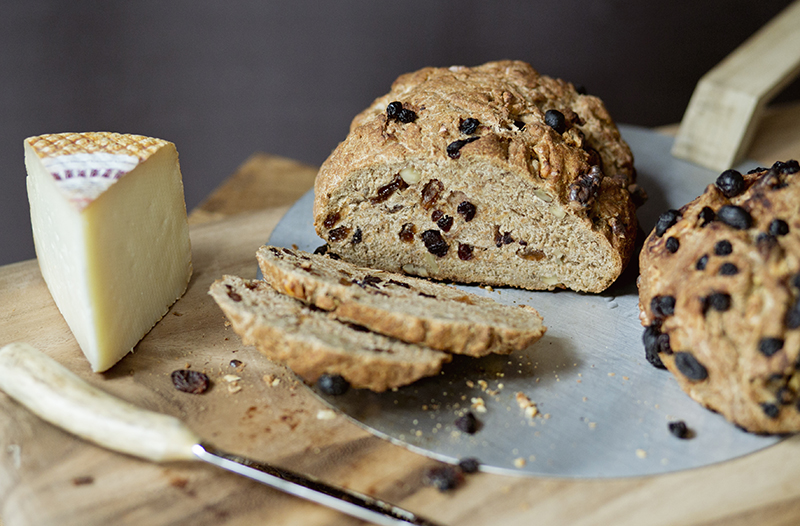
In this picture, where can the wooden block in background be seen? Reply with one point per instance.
(727, 104)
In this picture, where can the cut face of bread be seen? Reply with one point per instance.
(493, 174)
(719, 294)
(311, 343)
(411, 309)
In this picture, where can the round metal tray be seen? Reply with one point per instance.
(603, 410)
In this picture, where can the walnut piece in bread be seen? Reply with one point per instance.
(312, 344)
(403, 307)
(493, 174)
(719, 293)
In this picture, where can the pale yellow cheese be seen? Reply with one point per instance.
(111, 234)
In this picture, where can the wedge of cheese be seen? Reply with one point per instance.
(111, 234)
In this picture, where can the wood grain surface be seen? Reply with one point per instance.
(48, 477)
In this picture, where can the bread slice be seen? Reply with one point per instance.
(493, 174)
(407, 308)
(311, 343)
(719, 293)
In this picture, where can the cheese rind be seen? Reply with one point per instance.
(111, 234)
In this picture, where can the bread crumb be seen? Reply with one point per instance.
(271, 380)
(326, 414)
(641, 453)
(519, 462)
(526, 405)
(478, 404)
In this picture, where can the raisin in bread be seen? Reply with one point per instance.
(719, 291)
(493, 174)
(311, 343)
(411, 309)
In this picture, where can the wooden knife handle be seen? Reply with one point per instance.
(60, 397)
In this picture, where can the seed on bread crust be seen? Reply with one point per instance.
(706, 216)
(728, 269)
(702, 262)
(555, 119)
(468, 126)
(666, 220)
(663, 306)
(778, 227)
(770, 346)
(735, 216)
(719, 301)
(672, 244)
(650, 338)
(730, 183)
(690, 367)
(771, 410)
(723, 247)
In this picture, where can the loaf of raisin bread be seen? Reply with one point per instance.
(720, 296)
(493, 174)
(311, 343)
(407, 308)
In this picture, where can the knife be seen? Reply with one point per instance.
(60, 397)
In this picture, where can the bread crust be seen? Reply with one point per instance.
(582, 175)
(734, 282)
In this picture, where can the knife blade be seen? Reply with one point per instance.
(60, 397)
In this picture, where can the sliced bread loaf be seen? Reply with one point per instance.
(493, 174)
(311, 343)
(407, 308)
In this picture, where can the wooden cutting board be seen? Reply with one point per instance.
(49, 477)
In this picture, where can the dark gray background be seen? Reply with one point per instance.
(225, 79)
